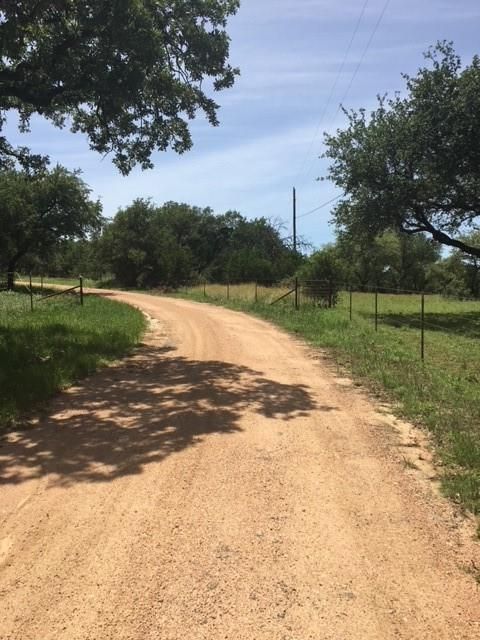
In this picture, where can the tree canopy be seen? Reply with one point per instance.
(38, 212)
(391, 260)
(127, 74)
(413, 164)
(146, 245)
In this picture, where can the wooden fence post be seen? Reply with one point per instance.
(31, 294)
(422, 325)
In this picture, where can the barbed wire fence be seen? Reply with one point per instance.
(390, 307)
(381, 306)
(19, 293)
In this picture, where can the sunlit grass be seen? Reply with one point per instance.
(59, 342)
(69, 282)
(249, 292)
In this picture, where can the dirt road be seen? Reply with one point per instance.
(224, 484)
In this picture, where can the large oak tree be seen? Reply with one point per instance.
(413, 164)
(128, 74)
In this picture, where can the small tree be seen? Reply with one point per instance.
(36, 212)
(323, 273)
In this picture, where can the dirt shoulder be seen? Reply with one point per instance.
(222, 483)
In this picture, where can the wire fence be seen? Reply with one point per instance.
(382, 307)
(19, 293)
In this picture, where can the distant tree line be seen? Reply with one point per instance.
(397, 262)
(50, 225)
(146, 245)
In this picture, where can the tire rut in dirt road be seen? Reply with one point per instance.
(222, 484)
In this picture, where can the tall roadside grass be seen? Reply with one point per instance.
(58, 343)
(442, 393)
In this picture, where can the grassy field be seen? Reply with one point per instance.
(442, 393)
(69, 282)
(60, 342)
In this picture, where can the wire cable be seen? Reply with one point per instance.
(332, 91)
(362, 58)
(322, 206)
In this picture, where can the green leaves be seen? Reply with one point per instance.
(128, 74)
(414, 163)
(37, 212)
(148, 246)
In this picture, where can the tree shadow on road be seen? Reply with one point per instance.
(152, 405)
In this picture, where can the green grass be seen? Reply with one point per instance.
(442, 393)
(70, 282)
(58, 343)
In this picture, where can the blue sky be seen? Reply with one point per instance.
(289, 53)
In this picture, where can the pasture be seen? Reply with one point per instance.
(442, 393)
(58, 343)
(66, 281)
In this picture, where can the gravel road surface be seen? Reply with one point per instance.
(221, 483)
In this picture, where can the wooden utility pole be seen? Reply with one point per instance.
(294, 220)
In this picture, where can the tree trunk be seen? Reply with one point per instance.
(442, 237)
(10, 278)
(12, 266)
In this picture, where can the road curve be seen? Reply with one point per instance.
(223, 483)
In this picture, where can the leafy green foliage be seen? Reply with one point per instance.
(38, 211)
(322, 275)
(391, 260)
(127, 74)
(470, 264)
(413, 164)
(74, 257)
(326, 264)
(147, 246)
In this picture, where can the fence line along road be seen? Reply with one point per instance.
(30, 287)
(325, 295)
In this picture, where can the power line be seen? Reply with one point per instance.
(322, 206)
(362, 58)
(347, 91)
(332, 90)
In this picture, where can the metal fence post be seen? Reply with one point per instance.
(376, 309)
(41, 283)
(422, 325)
(296, 294)
(351, 303)
(256, 291)
(31, 294)
(204, 289)
(81, 291)
(228, 290)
